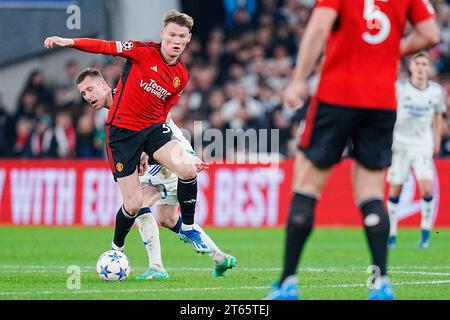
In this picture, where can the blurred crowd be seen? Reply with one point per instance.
(237, 77)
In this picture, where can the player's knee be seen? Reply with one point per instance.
(133, 204)
(426, 190)
(187, 172)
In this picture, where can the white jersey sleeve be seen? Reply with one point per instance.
(180, 137)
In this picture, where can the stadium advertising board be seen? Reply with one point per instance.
(80, 192)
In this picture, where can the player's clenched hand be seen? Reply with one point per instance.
(294, 94)
(50, 42)
(143, 164)
(201, 165)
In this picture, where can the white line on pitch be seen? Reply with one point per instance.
(73, 292)
(397, 270)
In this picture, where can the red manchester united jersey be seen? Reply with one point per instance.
(363, 50)
(148, 86)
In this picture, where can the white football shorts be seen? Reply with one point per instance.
(165, 181)
(404, 160)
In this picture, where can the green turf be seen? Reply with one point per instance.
(34, 261)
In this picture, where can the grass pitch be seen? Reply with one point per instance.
(34, 262)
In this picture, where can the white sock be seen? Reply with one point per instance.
(186, 227)
(148, 228)
(216, 254)
(115, 247)
(392, 210)
(427, 209)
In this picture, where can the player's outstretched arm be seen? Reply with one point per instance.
(50, 42)
(113, 48)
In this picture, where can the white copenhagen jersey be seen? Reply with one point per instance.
(416, 109)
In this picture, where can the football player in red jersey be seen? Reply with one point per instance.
(158, 186)
(355, 103)
(151, 83)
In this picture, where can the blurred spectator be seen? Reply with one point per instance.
(27, 104)
(445, 142)
(67, 94)
(203, 79)
(65, 135)
(70, 72)
(6, 131)
(216, 100)
(243, 111)
(89, 145)
(24, 126)
(238, 14)
(36, 82)
(282, 123)
(217, 126)
(268, 98)
(41, 142)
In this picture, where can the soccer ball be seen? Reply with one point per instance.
(113, 265)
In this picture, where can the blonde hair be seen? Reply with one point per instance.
(179, 18)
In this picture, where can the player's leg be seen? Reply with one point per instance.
(392, 205)
(149, 231)
(372, 141)
(322, 143)
(169, 218)
(397, 175)
(424, 171)
(308, 185)
(124, 148)
(132, 207)
(174, 156)
(368, 188)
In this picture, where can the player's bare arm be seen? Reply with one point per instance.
(425, 35)
(437, 130)
(313, 41)
(53, 41)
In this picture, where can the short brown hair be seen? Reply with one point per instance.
(88, 73)
(421, 54)
(181, 19)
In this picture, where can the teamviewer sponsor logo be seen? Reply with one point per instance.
(155, 88)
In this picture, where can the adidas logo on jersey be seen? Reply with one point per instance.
(154, 68)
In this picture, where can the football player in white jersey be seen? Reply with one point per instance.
(159, 185)
(165, 182)
(417, 136)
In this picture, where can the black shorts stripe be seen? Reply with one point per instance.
(305, 138)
